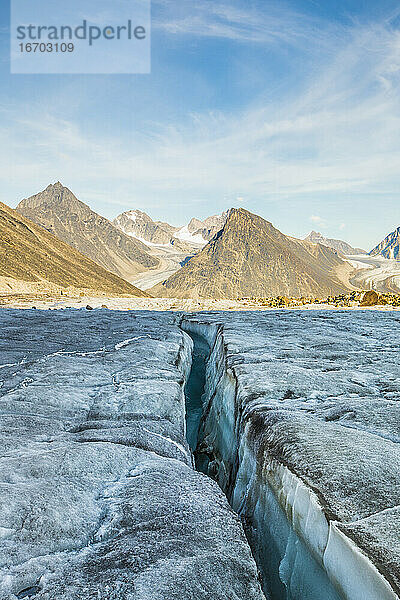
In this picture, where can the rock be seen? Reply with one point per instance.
(389, 247)
(369, 298)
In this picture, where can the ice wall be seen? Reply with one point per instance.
(274, 456)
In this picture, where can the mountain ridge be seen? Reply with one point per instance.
(339, 245)
(190, 237)
(140, 226)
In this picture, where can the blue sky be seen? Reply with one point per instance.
(289, 109)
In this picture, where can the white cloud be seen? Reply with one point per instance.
(318, 221)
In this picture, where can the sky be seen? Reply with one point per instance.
(288, 109)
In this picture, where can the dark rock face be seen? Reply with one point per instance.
(62, 214)
(248, 258)
(31, 255)
(339, 245)
(389, 247)
(99, 499)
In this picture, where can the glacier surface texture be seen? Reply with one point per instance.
(301, 429)
(99, 499)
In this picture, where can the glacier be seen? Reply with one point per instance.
(290, 417)
(300, 429)
(99, 497)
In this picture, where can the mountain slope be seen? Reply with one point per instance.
(33, 259)
(339, 245)
(139, 225)
(249, 257)
(60, 212)
(389, 247)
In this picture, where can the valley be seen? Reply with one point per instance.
(170, 261)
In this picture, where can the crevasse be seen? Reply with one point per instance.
(301, 554)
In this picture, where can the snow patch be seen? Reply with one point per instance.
(185, 235)
(132, 216)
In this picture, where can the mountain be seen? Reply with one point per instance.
(32, 259)
(61, 213)
(339, 245)
(201, 232)
(140, 226)
(389, 247)
(249, 257)
(172, 246)
(191, 237)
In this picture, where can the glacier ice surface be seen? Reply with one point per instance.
(306, 405)
(98, 495)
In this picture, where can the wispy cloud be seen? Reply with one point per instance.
(276, 23)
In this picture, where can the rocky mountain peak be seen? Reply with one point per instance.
(200, 232)
(249, 257)
(389, 247)
(194, 224)
(36, 261)
(60, 212)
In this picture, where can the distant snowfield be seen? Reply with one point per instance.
(357, 264)
(185, 235)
